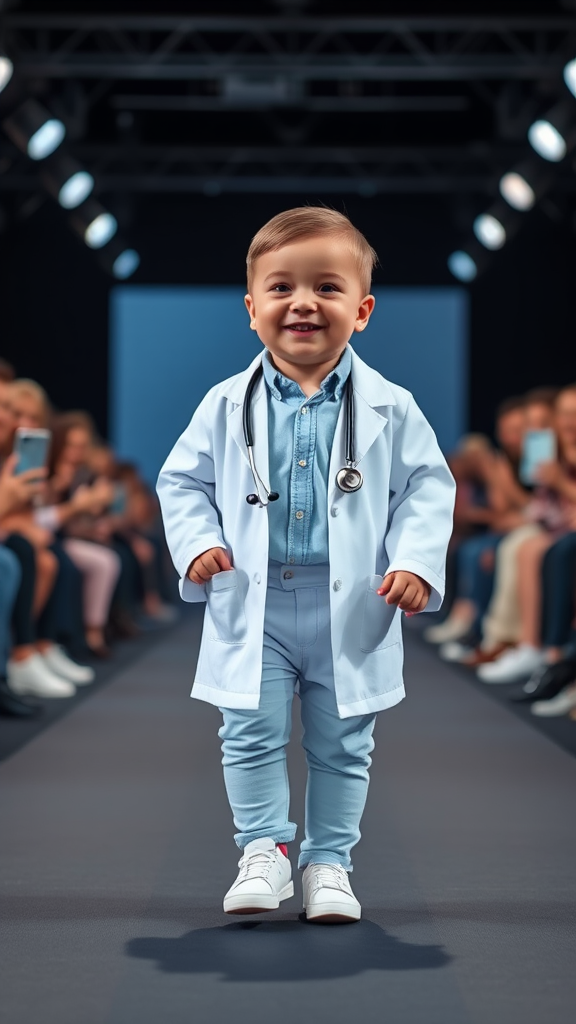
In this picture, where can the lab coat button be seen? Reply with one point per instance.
(334, 510)
(288, 575)
(257, 577)
(337, 585)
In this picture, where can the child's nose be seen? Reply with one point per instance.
(303, 302)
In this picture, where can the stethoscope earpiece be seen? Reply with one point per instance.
(348, 479)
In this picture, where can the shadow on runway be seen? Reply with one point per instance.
(289, 950)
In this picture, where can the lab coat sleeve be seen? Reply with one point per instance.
(186, 492)
(421, 504)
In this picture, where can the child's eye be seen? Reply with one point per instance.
(327, 288)
(280, 288)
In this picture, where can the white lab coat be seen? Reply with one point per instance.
(400, 519)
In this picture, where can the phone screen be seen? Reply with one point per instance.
(538, 446)
(31, 446)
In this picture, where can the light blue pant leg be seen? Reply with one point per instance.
(297, 649)
(10, 575)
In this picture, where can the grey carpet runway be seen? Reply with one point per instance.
(116, 849)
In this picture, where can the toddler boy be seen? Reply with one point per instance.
(304, 582)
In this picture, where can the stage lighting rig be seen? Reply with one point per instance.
(553, 136)
(67, 181)
(489, 231)
(6, 70)
(95, 225)
(34, 130)
(118, 259)
(526, 183)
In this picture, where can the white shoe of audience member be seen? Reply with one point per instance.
(452, 629)
(513, 666)
(60, 664)
(559, 705)
(455, 651)
(33, 676)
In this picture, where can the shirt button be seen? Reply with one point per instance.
(288, 575)
(299, 515)
(304, 411)
(337, 585)
(302, 462)
(291, 560)
(334, 510)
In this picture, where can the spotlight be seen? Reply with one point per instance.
(125, 264)
(33, 130)
(462, 266)
(555, 134)
(6, 70)
(67, 181)
(516, 191)
(526, 183)
(94, 224)
(570, 76)
(119, 260)
(489, 231)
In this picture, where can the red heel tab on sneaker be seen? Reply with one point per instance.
(283, 848)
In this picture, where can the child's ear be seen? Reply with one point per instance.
(364, 312)
(249, 303)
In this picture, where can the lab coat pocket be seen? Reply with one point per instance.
(225, 603)
(380, 623)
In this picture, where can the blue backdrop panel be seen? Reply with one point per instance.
(170, 344)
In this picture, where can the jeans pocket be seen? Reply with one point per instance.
(225, 603)
(380, 622)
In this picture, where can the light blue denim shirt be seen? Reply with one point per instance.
(300, 435)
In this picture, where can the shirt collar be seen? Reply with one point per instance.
(331, 387)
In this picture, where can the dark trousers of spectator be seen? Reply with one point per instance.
(475, 581)
(558, 591)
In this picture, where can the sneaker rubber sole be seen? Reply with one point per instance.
(257, 903)
(333, 913)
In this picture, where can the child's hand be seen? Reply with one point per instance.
(408, 591)
(208, 564)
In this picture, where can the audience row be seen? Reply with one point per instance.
(512, 559)
(82, 556)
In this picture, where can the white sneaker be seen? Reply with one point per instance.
(454, 650)
(452, 629)
(513, 666)
(328, 895)
(264, 880)
(560, 705)
(61, 665)
(34, 676)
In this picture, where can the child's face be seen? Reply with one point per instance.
(307, 300)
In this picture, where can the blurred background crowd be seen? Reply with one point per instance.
(510, 615)
(82, 558)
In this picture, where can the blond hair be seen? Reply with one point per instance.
(306, 222)
(31, 389)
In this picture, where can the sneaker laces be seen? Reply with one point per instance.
(256, 864)
(330, 876)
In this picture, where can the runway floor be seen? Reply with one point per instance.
(117, 848)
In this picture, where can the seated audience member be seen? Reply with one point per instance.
(500, 625)
(85, 538)
(30, 668)
(552, 513)
(498, 511)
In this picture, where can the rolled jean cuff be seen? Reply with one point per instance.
(323, 857)
(286, 834)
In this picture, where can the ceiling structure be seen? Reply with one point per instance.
(286, 97)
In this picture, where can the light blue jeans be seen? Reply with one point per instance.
(9, 582)
(297, 657)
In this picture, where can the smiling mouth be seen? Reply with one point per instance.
(303, 328)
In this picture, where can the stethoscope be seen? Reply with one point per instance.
(348, 479)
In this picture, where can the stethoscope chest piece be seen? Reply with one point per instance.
(349, 479)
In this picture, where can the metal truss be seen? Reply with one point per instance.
(296, 169)
(287, 53)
